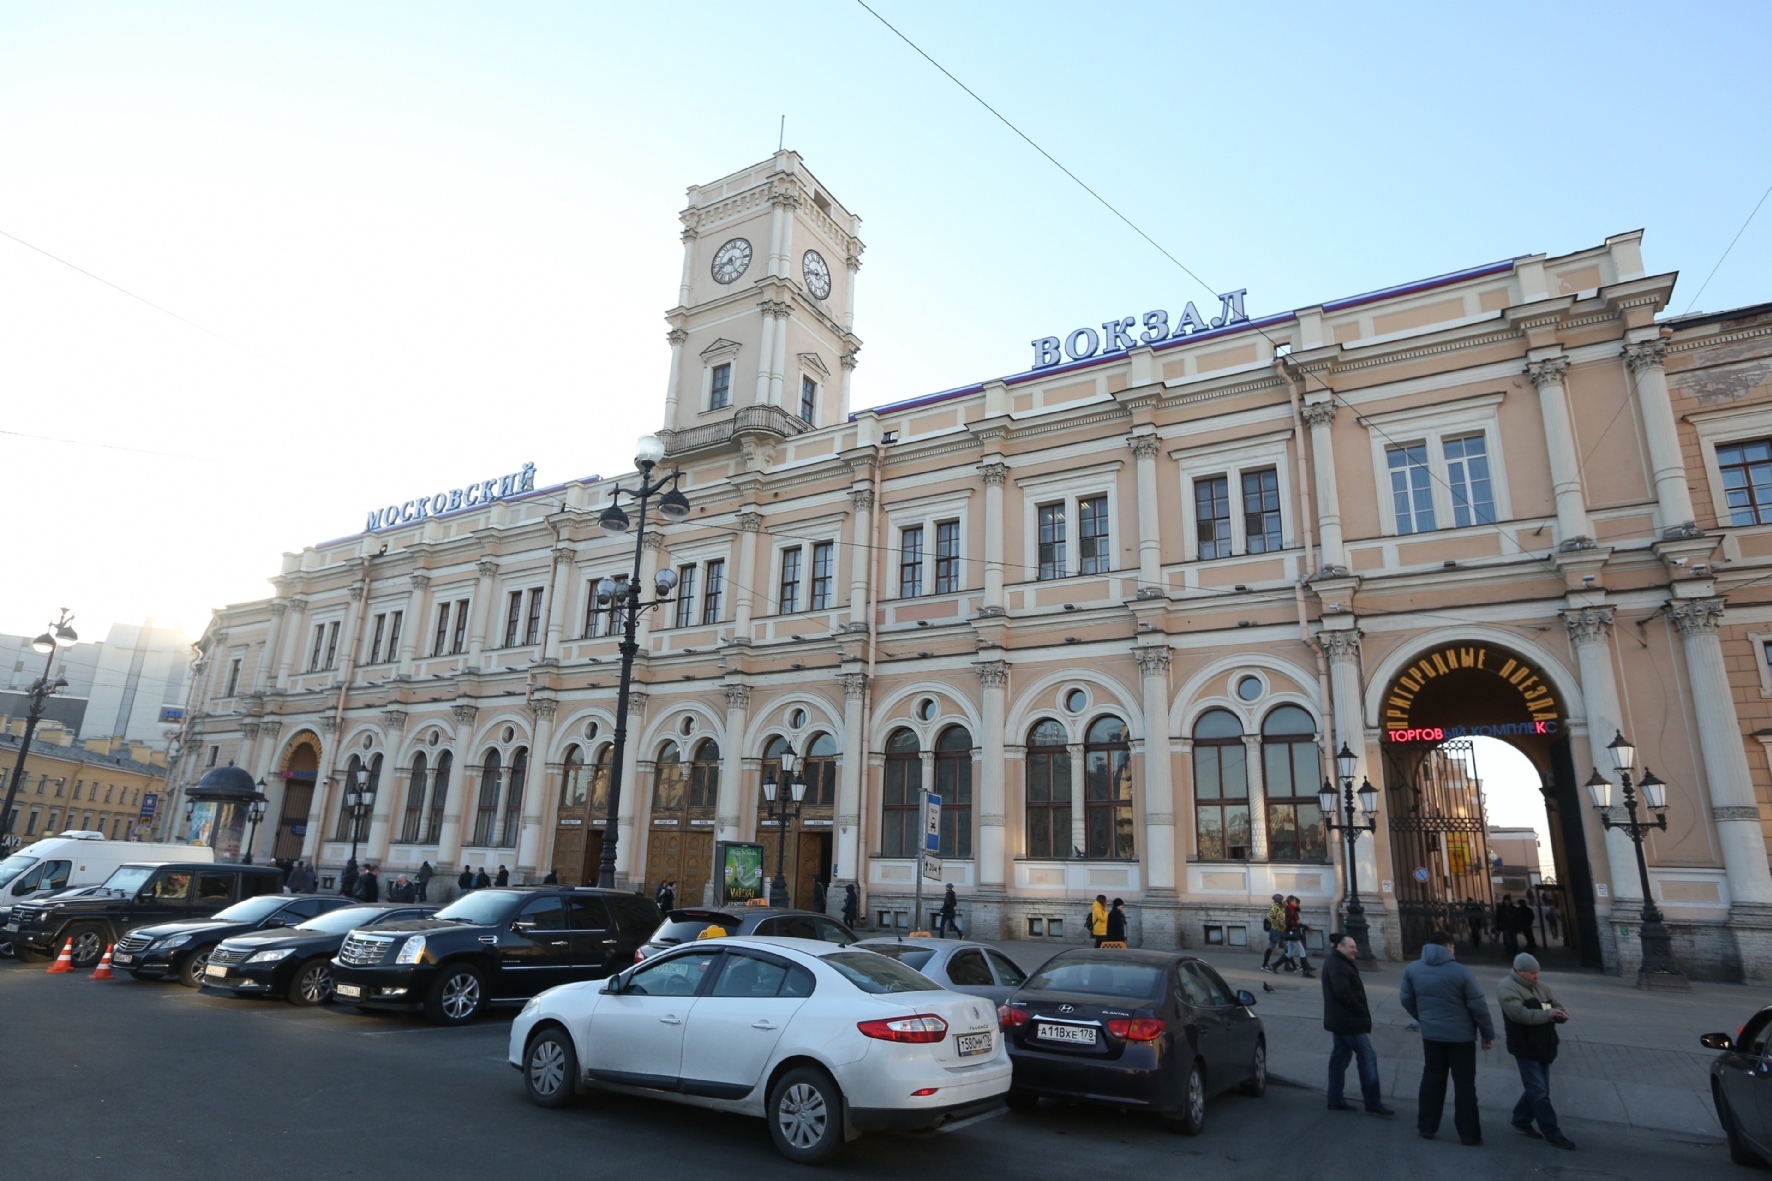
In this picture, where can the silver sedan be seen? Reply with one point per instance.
(955, 963)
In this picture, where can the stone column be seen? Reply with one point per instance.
(413, 631)
(347, 640)
(993, 832)
(538, 792)
(750, 522)
(1161, 898)
(1574, 532)
(995, 473)
(627, 831)
(1150, 542)
(849, 785)
(676, 337)
(459, 799)
(765, 350)
(1673, 496)
(729, 807)
(323, 788)
(848, 362)
(1318, 416)
(861, 550)
(482, 610)
(291, 639)
(1732, 803)
(1257, 798)
(779, 354)
(1079, 834)
(1342, 649)
(1590, 631)
(563, 556)
(267, 661)
(650, 548)
(275, 787)
(388, 791)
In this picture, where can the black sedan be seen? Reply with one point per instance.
(1741, 1088)
(296, 962)
(181, 949)
(1159, 1031)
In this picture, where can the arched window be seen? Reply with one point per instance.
(1221, 788)
(600, 783)
(953, 783)
(415, 800)
(899, 824)
(573, 784)
(1048, 791)
(1291, 774)
(704, 776)
(1107, 789)
(439, 797)
(513, 820)
(486, 806)
(342, 832)
(668, 792)
(820, 769)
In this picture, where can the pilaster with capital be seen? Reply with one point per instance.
(1646, 362)
(729, 805)
(1319, 416)
(750, 523)
(540, 794)
(861, 552)
(480, 613)
(627, 857)
(1145, 446)
(1589, 630)
(993, 833)
(1574, 531)
(412, 631)
(995, 473)
(1159, 771)
(850, 776)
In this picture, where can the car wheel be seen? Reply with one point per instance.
(805, 1116)
(89, 945)
(1190, 1118)
(312, 984)
(550, 1068)
(1739, 1152)
(458, 995)
(1021, 1100)
(190, 973)
(1256, 1084)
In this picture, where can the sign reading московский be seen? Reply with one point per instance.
(485, 492)
(1117, 336)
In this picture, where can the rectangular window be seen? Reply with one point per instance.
(821, 577)
(947, 557)
(714, 591)
(685, 595)
(513, 618)
(1291, 771)
(1052, 541)
(332, 645)
(233, 677)
(1212, 515)
(442, 639)
(720, 387)
(808, 400)
(460, 643)
(1412, 493)
(214, 753)
(381, 624)
(1746, 469)
(31, 824)
(789, 600)
(592, 615)
(1048, 801)
(1467, 470)
(901, 829)
(319, 646)
(1261, 511)
(532, 627)
(1221, 800)
(1092, 536)
(910, 562)
(394, 621)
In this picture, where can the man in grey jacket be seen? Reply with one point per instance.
(1442, 994)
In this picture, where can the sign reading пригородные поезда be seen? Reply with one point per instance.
(484, 492)
(1118, 336)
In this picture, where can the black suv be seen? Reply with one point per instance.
(181, 949)
(686, 925)
(135, 895)
(490, 947)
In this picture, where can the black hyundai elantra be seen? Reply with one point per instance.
(296, 963)
(1155, 1030)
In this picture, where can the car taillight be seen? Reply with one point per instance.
(1136, 1029)
(639, 956)
(924, 1027)
(1012, 1018)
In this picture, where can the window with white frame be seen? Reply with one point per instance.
(720, 386)
(1069, 521)
(929, 540)
(1746, 470)
(1412, 487)
(713, 595)
(513, 618)
(1261, 510)
(1212, 516)
(532, 627)
(910, 561)
(1241, 496)
(686, 594)
(808, 401)
(1051, 541)
(822, 562)
(787, 602)
(1440, 467)
(1467, 470)
(1093, 554)
(947, 557)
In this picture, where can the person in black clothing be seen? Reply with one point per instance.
(851, 904)
(403, 890)
(481, 881)
(553, 878)
(1116, 931)
(368, 886)
(1504, 926)
(425, 874)
(503, 878)
(1473, 915)
(466, 881)
(947, 918)
(1524, 921)
(1348, 1019)
(666, 896)
(347, 881)
(818, 894)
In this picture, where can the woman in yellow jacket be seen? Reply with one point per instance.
(1098, 919)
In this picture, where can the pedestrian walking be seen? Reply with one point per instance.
(1473, 917)
(481, 881)
(403, 890)
(946, 919)
(465, 882)
(1444, 997)
(1524, 921)
(553, 878)
(1504, 926)
(820, 896)
(1098, 919)
(1553, 918)
(504, 877)
(1116, 924)
(1348, 1018)
(1530, 1015)
(347, 880)
(1296, 953)
(1275, 926)
(292, 879)
(425, 874)
(310, 881)
(666, 897)
(851, 904)
(368, 886)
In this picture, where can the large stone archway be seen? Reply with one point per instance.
(299, 769)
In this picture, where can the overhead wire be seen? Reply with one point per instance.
(1728, 248)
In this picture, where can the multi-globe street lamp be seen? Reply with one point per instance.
(794, 779)
(1660, 970)
(1354, 911)
(59, 636)
(255, 813)
(359, 799)
(619, 598)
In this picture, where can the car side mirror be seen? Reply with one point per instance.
(1245, 997)
(523, 926)
(613, 986)
(269, 923)
(1717, 1041)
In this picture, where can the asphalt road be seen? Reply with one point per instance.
(154, 1081)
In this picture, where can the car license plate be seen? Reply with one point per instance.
(347, 990)
(122, 957)
(214, 971)
(973, 1043)
(11, 927)
(1081, 1035)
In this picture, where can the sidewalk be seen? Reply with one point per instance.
(1627, 1057)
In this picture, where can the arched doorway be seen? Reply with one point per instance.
(584, 810)
(1446, 874)
(301, 767)
(809, 842)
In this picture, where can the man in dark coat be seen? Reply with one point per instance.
(310, 881)
(368, 886)
(851, 904)
(1444, 997)
(1349, 1020)
(465, 882)
(553, 878)
(819, 896)
(347, 881)
(403, 890)
(481, 881)
(666, 897)
(947, 918)
(1116, 931)
(504, 877)
(425, 874)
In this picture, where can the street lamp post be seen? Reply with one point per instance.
(1341, 819)
(1660, 970)
(59, 635)
(795, 781)
(255, 812)
(360, 799)
(620, 599)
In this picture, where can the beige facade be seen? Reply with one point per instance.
(96, 786)
(1115, 610)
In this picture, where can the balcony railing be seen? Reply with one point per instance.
(771, 420)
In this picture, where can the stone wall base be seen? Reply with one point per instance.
(1735, 951)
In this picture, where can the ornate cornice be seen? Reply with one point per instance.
(1319, 413)
(1696, 616)
(1547, 372)
(737, 696)
(1152, 660)
(1588, 625)
(1648, 354)
(992, 674)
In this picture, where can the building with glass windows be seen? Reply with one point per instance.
(1117, 611)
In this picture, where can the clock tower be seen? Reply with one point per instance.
(765, 313)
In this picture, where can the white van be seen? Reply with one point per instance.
(78, 857)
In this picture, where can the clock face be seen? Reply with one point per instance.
(731, 260)
(818, 275)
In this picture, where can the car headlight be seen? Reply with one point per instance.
(412, 951)
(533, 1002)
(172, 941)
(270, 957)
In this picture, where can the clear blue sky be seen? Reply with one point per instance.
(439, 238)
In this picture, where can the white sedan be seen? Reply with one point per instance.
(824, 1042)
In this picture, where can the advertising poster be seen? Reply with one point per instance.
(741, 871)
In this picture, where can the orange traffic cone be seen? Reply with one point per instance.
(103, 971)
(65, 961)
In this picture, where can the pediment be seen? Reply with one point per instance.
(811, 361)
(721, 346)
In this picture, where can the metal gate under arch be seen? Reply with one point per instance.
(1439, 839)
